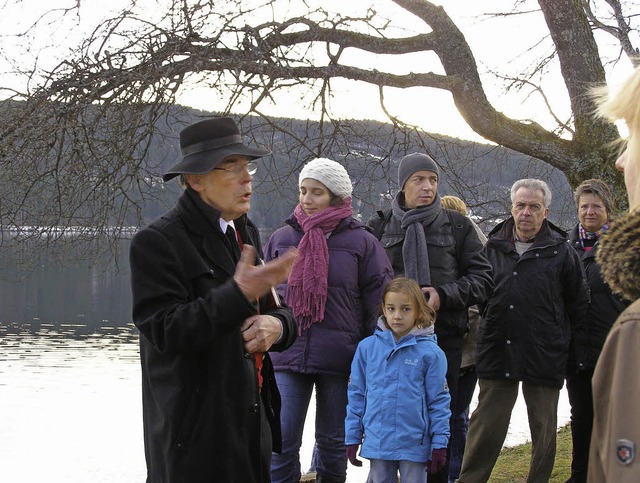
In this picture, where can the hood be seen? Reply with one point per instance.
(416, 332)
(619, 256)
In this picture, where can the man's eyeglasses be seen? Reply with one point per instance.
(236, 169)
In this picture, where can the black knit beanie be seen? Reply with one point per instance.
(415, 162)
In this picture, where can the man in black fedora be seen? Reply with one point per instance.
(202, 302)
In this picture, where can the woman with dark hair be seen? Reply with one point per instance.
(594, 203)
(334, 291)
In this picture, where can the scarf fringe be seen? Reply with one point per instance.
(307, 306)
(308, 280)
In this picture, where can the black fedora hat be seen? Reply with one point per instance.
(205, 144)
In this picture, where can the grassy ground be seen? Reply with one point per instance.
(513, 463)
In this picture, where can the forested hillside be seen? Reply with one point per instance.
(480, 174)
(370, 151)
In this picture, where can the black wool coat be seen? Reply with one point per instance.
(201, 400)
(539, 300)
(604, 309)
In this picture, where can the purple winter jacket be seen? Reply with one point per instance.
(359, 269)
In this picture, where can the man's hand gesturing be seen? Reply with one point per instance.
(255, 281)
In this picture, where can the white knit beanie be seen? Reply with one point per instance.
(329, 173)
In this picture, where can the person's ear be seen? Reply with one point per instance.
(195, 181)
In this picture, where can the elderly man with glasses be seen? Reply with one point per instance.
(207, 315)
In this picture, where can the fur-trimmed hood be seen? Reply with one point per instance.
(619, 256)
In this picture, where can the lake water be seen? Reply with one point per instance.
(70, 395)
(71, 410)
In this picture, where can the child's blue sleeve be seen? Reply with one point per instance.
(356, 393)
(438, 400)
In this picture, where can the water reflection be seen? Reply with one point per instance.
(85, 292)
(70, 400)
(70, 392)
(71, 403)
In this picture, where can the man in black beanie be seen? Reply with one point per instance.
(440, 249)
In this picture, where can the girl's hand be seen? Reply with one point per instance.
(437, 461)
(352, 451)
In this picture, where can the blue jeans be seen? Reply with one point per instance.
(384, 471)
(331, 405)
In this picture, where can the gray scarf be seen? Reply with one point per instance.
(414, 250)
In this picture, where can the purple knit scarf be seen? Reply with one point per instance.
(307, 290)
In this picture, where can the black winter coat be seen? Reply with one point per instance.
(538, 300)
(603, 311)
(202, 417)
(462, 276)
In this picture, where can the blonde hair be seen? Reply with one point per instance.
(454, 203)
(426, 314)
(622, 105)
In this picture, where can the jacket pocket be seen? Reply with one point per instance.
(389, 240)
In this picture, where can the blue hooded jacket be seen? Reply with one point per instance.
(398, 396)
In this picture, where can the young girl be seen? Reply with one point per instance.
(398, 405)
(334, 292)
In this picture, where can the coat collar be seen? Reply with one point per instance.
(574, 240)
(198, 214)
(549, 233)
(204, 222)
(410, 339)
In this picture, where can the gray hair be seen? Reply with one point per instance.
(596, 187)
(533, 185)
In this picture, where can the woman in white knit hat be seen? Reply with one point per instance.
(334, 290)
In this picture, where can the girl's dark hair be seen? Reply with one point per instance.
(426, 314)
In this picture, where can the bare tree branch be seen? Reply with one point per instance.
(80, 138)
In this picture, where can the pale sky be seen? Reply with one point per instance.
(498, 45)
